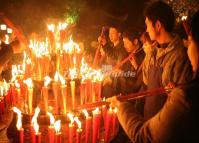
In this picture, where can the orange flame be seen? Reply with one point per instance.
(71, 117)
(57, 126)
(3, 27)
(34, 118)
(36, 127)
(51, 27)
(19, 118)
(184, 18)
(96, 111)
(17, 85)
(78, 122)
(47, 80)
(85, 112)
(52, 119)
(29, 82)
(56, 77)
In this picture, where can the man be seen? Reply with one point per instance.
(167, 61)
(177, 121)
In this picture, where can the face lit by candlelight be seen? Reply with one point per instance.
(152, 29)
(114, 35)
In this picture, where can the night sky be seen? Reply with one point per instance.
(32, 15)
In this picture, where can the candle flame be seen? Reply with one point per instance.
(51, 27)
(7, 41)
(63, 82)
(78, 122)
(96, 111)
(71, 117)
(52, 119)
(6, 86)
(184, 18)
(47, 80)
(62, 26)
(17, 85)
(56, 77)
(73, 73)
(115, 110)
(19, 118)
(34, 118)
(71, 46)
(85, 112)
(36, 127)
(57, 126)
(29, 82)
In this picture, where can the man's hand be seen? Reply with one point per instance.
(114, 101)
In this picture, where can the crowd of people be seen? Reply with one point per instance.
(157, 58)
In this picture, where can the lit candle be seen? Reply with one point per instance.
(51, 131)
(71, 127)
(109, 119)
(104, 112)
(88, 126)
(82, 92)
(44, 92)
(56, 91)
(19, 124)
(3, 27)
(96, 124)
(18, 91)
(78, 131)
(58, 134)
(29, 84)
(63, 93)
(115, 122)
(73, 74)
(36, 134)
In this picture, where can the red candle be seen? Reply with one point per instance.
(21, 135)
(71, 132)
(109, 119)
(88, 127)
(37, 137)
(104, 112)
(115, 122)
(82, 92)
(44, 92)
(56, 89)
(98, 87)
(51, 133)
(64, 97)
(57, 126)
(78, 135)
(96, 124)
(93, 95)
(72, 84)
(185, 25)
(58, 137)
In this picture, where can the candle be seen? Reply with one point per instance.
(58, 134)
(73, 75)
(36, 133)
(29, 84)
(19, 124)
(56, 91)
(82, 92)
(71, 128)
(93, 95)
(104, 112)
(88, 126)
(78, 131)
(96, 124)
(109, 119)
(44, 91)
(51, 131)
(18, 91)
(115, 122)
(63, 93)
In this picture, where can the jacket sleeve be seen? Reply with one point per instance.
(160, 128)
(5, 54)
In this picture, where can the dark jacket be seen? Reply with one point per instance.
(176, 122)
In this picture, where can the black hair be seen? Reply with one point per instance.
(161, 11)
(195, 27)
(131, 34)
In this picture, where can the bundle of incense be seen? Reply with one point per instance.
(154, 92)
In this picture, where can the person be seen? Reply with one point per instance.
(133, 45)
(177, 121)
(166, 63)
(7, 50)
(113, 49)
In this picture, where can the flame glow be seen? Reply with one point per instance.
(78, 122)
(57, 126)
(71, 47)
(3, 27)
(56, 77)
(17, 85)
(29, 82)
(51, 27)
(47, 80)
(7, 39)
(52, 119)
(34, 118)
(9, 30)
(115, 110)
(85, 112)
(36, 127)
(73, 73)
(19, 118)
(96, 111)
(71, 117)
(184, 18)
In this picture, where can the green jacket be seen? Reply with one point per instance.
(176, 122)
(174, 61)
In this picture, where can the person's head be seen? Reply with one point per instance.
(193, 46)
(114, 34)
(159, 18)
(131, 40)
